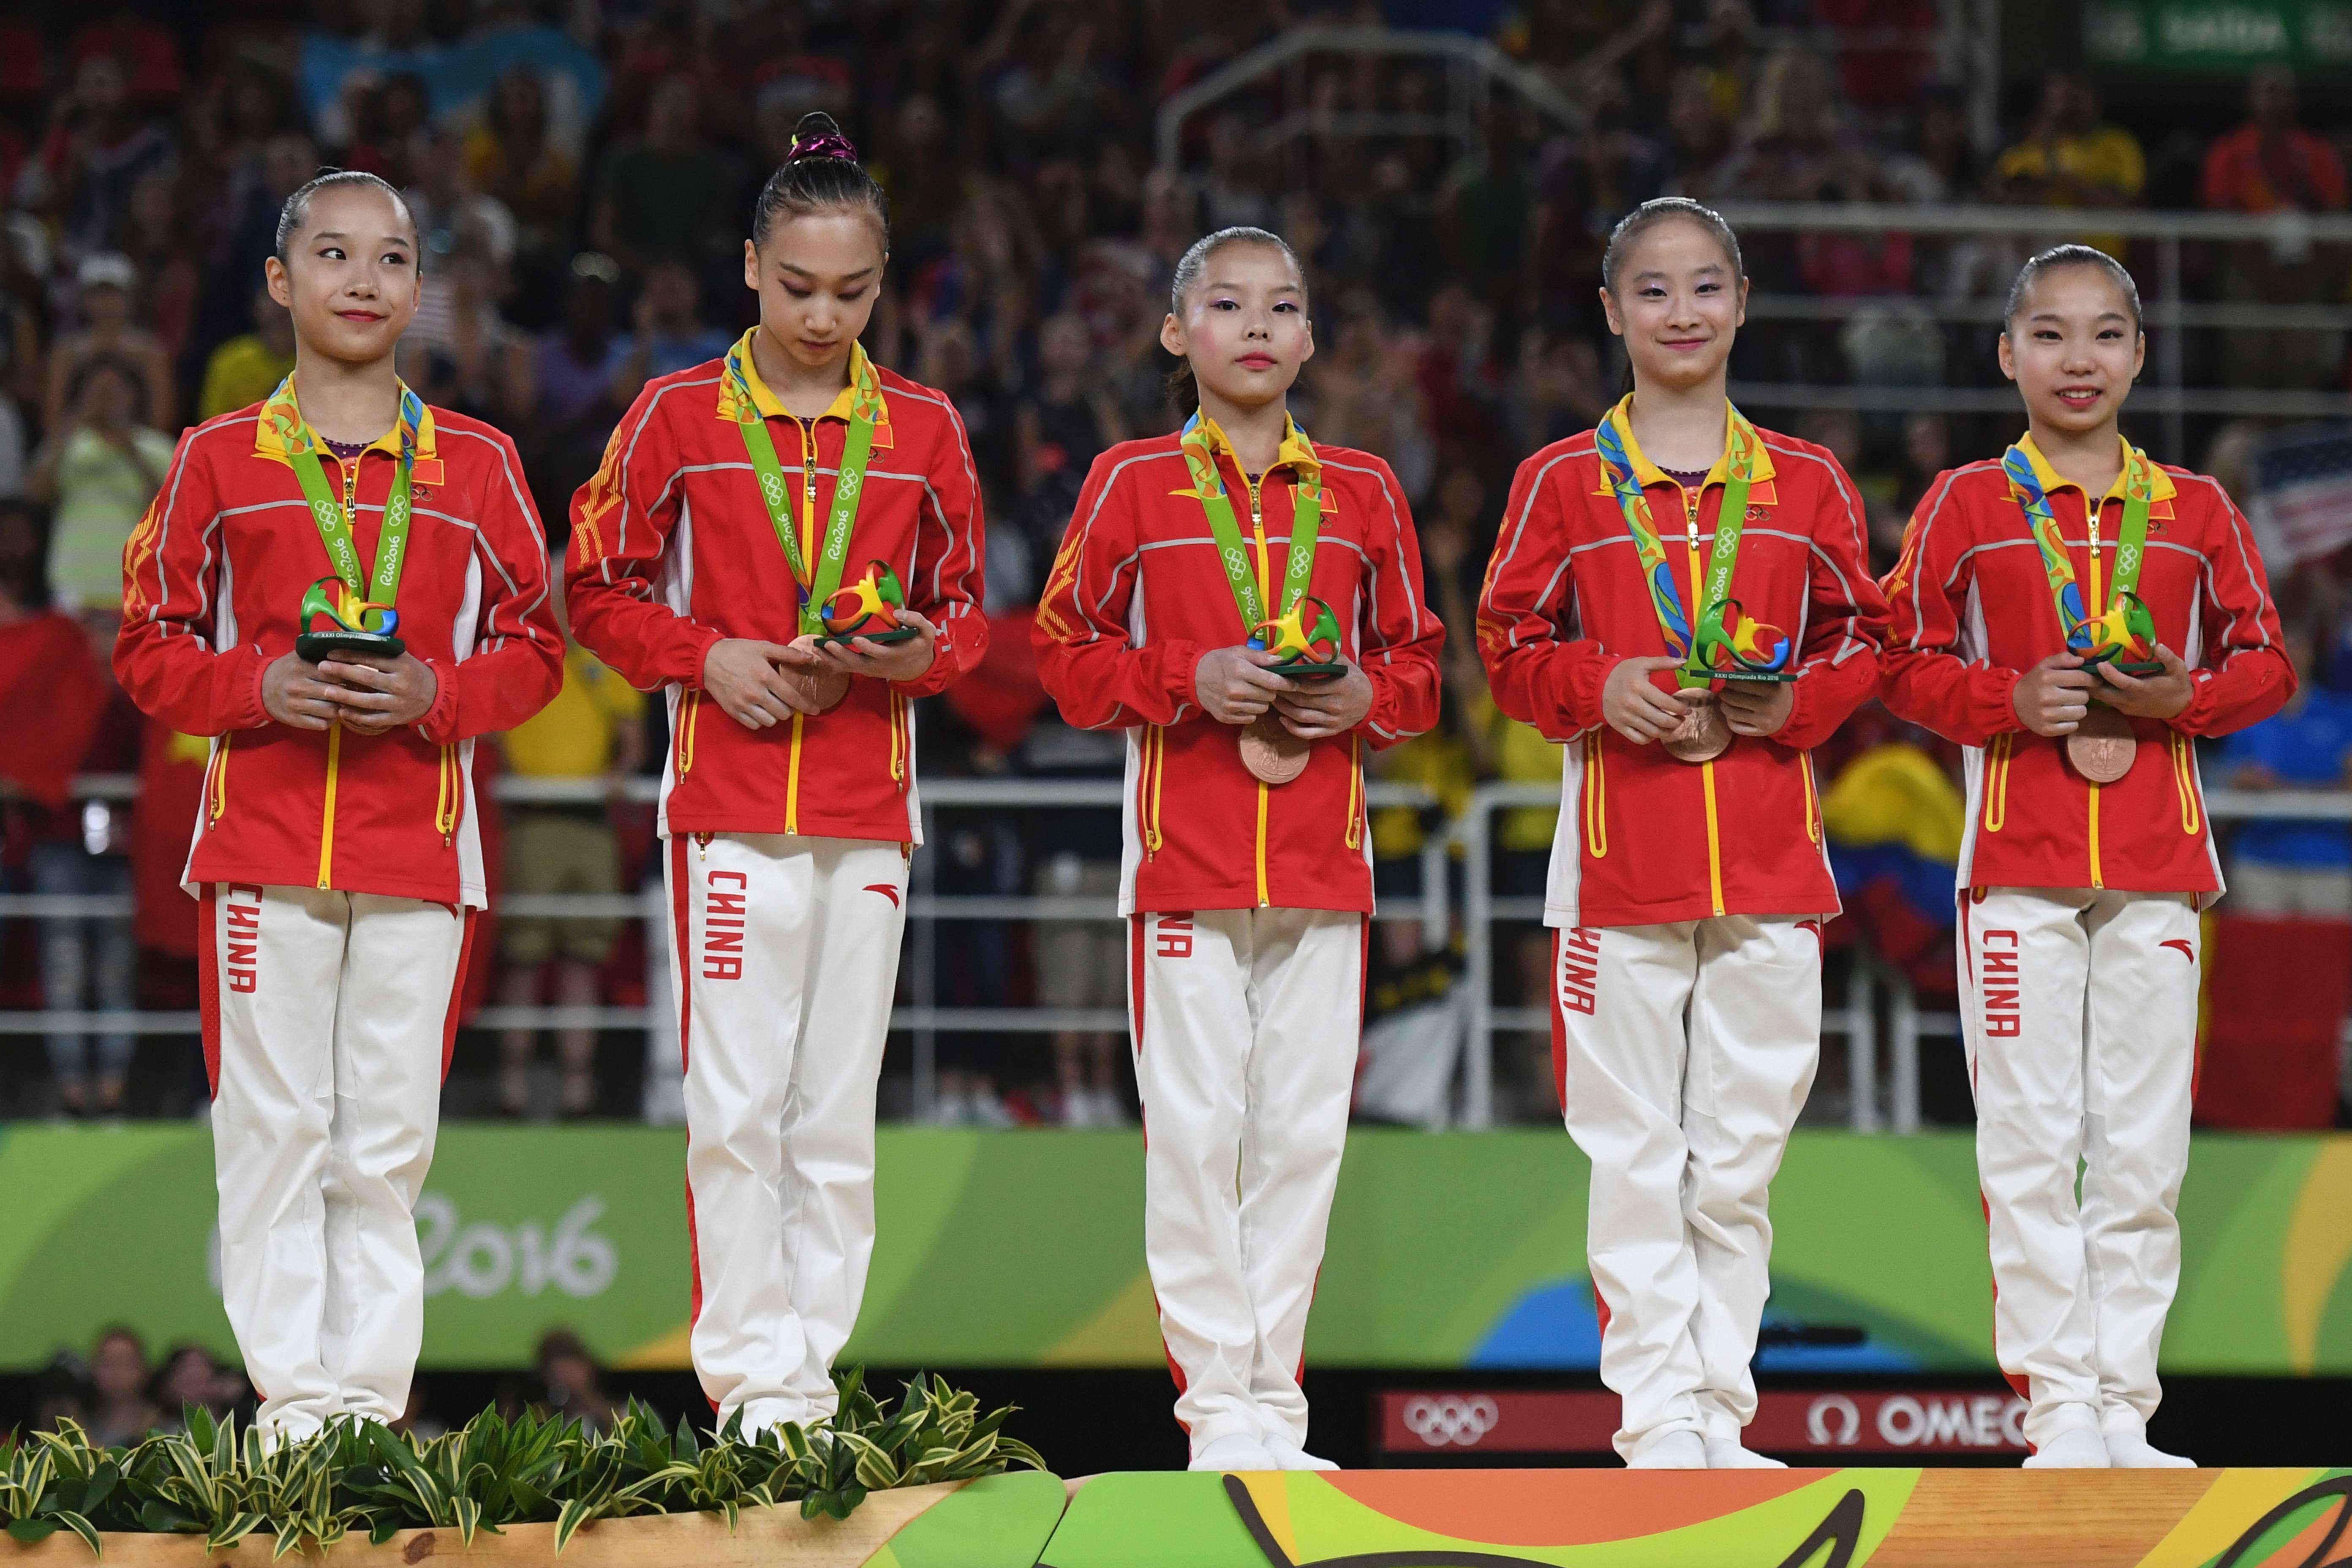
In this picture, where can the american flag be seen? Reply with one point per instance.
(2302, 493)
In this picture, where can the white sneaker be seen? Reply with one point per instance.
(988, 1110)
(1674, 1451)
(2125, 1437)
(1728, 1454)
(1110, 1110)
(1234, 1451)
(1290, 1456)
(951, 1109)
(1079, 1107)
(2074, 1446)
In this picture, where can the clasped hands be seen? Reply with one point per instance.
(367, 693)
(1240, 685)
(761, 684)
(1635, 708)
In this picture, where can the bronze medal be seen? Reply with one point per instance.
(2103, 745)
(1704, 734)
(1271, 753)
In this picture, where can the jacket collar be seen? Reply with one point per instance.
(2161, 485)
(281, 434)
(1296, 453)
(1647, 473)
(843, 406)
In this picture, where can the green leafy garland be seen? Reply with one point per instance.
(361, 1478)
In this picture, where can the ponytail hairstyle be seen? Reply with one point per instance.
(297, 210)
(2058, 258)
(820, 173)
(1651, 214)
(1183, 392)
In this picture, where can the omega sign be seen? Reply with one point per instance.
(1507, 1421)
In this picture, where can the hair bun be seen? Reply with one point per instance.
(819, 136)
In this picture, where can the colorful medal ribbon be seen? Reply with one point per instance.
(1306, 524)
(371, 596)
(865, 405)
(2117, 625)
(1729, 643)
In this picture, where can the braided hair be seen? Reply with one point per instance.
(820, 173)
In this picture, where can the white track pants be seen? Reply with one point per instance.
(1246, 1026)
(2080, 1010)
(784, 955)
(328, 1019)
(1684, 1053)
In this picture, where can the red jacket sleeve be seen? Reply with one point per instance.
(1542, 672)
(621, 523)
(164, 656)
(516, 665)
(1398, 646)
(1926, 681)
(948, 587)
(1845, 622)
(2244, 676)
(1100, 678)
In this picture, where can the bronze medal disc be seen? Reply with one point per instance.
(1272, 753)
(2103, 745)
(818, 690)
(1703, 735)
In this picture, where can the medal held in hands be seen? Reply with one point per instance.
(1728, 643)
(350, 612)
(2115, 627)
(1269, 750)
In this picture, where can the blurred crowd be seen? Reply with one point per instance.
(581, 174)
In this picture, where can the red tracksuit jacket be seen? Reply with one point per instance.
(213, 579)
(1973, 612)
(672, 549)
(1137, 596)
(1644, 839)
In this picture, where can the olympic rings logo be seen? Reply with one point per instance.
(773, 487)
(326, 512)
(1439, 1419)
(847, 484)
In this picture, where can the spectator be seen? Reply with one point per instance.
(1061, 428)
(120, 1411)
(465, 355)
(157, 241)
(509, 157)
(2290, 868)
(246, 369)
(2272, 164)
(103, 286)
(670, 331)
(575, 368)
(98, 468)
(98, 149)
(191, 1379)
(668, 195)
(592, 732)
(2069, 158)
(574, 1387)
(388, 120)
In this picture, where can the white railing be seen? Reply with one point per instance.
(1877, 1008)
(2169, 314)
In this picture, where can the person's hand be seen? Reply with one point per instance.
(740, 674)
(1758, 707)
(2051, 697)
(1235, 685)
(1319, 708)
(1634, 707)
(2161, 696)
(904, 660)
(376, 693)
(292, 693)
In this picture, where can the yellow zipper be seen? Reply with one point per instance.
(220, 780)
(2184, 780)
(1706, 769)
(445, 813)
(1355, 836)
(808, 556)
(1596, 798)
(1812, 798)
(327, 815)
(1263, 900)
(1155, 749)
(2098, 875)
(351, 471)
(689, 716)
(1996, 806)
